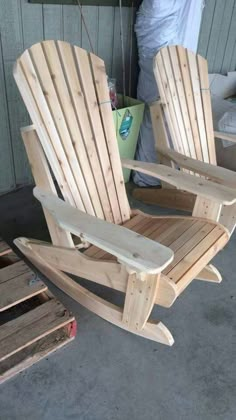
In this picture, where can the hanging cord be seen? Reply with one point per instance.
(85, 25)
(131, 46)
(122, 48)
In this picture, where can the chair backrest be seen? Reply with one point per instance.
(66, 93)
(182, 79)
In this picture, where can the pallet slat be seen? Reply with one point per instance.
(18, 289)
(4, 248)
(14, 270)
(30, 327)
(33, 323)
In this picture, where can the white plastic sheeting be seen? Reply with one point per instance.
(160, 23)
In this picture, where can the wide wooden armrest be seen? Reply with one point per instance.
(213, 172)
(184, 181)
(134, 250)
(225, 136)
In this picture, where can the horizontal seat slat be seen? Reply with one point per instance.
(188, 237)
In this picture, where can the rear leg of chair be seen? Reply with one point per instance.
(210, 273)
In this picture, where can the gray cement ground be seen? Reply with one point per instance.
(108, 374)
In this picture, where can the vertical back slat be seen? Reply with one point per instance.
(87, 137)
(100, 80)
(193, 69)
(48, 82)
(168, 108)
(64, 89)
(60, 168)
(87, 85)
(182, 79)
(207, 110)
(182, 99)
(169, 75)
(190, 99)
(75, 146)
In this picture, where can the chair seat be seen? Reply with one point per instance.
(194, 241)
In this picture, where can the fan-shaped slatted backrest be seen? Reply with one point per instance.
(182, 79)
(66, 93)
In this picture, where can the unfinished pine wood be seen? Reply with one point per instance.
(187, 182)
(11, 271)
(207, 209)
(206, 104)
(130, 248)
(35, 352)
(151, 259)
(33, 325)
(184, 77)
(155, 331)
(216, 173)
(139, 299)
(160, 136)
(19, 289)
(23, 338)
(225, 136)
(186, 237)
(107, 273)
(228, 217)
(210, 273)
(4, 248)
(166, 197)
(43, 179)
(68, 87)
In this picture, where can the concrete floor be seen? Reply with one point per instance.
(108, 374)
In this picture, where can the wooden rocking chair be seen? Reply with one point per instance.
(185, 106)
(151, 259)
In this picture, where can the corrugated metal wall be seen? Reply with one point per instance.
(217, 41)
(23, 24)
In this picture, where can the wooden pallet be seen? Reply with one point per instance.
(33, 323)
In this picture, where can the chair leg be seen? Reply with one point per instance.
(210, 273)
(139, 299)
(155, 331)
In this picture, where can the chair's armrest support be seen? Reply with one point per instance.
(203, 188)
(131, 249)
(225, 136)
(213, 172)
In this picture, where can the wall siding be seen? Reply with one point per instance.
(217, 41)
(23, 24)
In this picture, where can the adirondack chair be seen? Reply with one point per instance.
(152, 259)
(185, 105)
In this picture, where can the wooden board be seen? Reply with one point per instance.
(23, 24)
(182, 78)
(81, 147)
(193, 241)
(132, 250)
(32, 322)
(4, 248)
(166, 197)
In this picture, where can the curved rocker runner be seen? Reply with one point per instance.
(152, 259)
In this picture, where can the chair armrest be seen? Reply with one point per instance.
(225, 136)
(213, 172)
(184, 181)
(136, 251)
